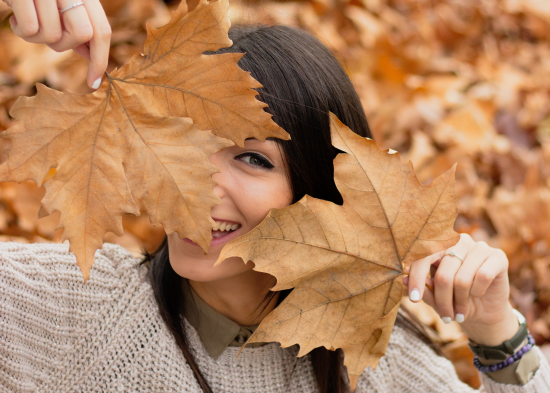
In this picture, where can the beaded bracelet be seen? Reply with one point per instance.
(516, 356)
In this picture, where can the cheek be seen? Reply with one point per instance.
(256, 199)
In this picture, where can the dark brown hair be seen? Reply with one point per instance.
(302, 82)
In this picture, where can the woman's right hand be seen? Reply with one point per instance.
(41, 22)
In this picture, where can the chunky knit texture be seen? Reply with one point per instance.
(59, 335)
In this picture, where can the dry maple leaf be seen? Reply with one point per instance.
(175, 78)
(346, 263)
(137, 142)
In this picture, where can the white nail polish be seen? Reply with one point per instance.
(414, 295)
(459, 318)
(447, 320)
(96, 84)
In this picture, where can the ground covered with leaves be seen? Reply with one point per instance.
(463, 81)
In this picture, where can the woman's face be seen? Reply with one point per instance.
(252, 180)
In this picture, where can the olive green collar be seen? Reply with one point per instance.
(216, 331)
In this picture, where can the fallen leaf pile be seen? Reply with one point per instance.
(442, 82)
(346, 263)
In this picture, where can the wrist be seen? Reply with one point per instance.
(519, 372)
(493, 334)
(511, 362)
(487, 361)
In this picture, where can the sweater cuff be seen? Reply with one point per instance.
(540, 381)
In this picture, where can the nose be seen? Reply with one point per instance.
(218, 190)
(218, 177)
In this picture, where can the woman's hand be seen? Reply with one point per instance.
(41, 22)
(473, 291)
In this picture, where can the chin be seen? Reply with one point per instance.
(203, 269)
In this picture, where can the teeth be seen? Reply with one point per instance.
(225, 226)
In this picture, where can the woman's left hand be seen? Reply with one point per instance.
(472, 288)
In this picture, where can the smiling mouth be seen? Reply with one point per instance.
(223, 228)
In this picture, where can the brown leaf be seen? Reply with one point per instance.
(346, 263)
(136, 143)
(469, 127)
(175, 78)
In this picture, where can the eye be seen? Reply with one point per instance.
(255, 159)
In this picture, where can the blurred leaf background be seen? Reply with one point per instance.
(464, 81)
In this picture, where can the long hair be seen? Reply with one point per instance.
(302, 82)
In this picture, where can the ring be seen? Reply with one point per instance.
(70, 7)
(453, 254)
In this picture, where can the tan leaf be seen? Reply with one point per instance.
(175, 78)
(137, 142)
(346, 263)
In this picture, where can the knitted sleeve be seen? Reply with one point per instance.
(411, 366)
(48, 316)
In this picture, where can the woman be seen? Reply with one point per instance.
(127, 328)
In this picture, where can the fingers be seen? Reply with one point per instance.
(99, 44)
(417, 276)
(467, 285)
(48, 18)
(488, 272)
(445, 279)
(39, 21)
(24, 21)
(443, 287)
(77, 28)
(446, 268)
(419, 269)
(36, 22)
(477, 257)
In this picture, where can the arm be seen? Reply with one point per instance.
(411, 366)
(48, 318)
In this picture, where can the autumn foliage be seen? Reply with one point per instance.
(442, 82)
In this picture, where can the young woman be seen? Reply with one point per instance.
(175, 323)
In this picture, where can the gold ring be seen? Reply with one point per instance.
(453, 254)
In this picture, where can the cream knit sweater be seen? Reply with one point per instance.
(58, 335)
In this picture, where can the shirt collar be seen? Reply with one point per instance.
(216, 331)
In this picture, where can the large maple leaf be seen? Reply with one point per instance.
(137, 142)
(346, 263)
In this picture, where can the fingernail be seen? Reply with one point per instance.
(414, 295)
(459, 318)
(447, 320)
(96, 83)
